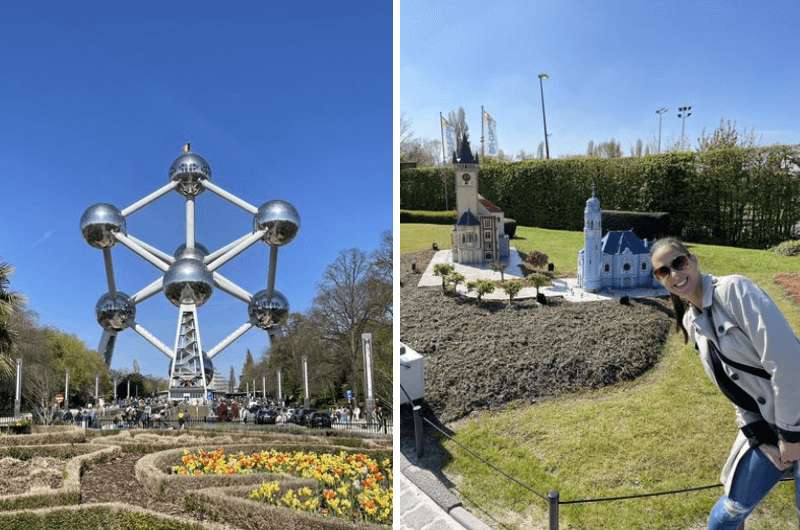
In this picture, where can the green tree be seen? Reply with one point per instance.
(10, 302)
(538, 280)
(512, 289)
(498, 266)
(724, 136)
(481, 288)
(444, 270)
(455, 279)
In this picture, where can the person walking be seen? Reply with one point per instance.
(752, 355)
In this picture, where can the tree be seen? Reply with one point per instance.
(538, 280)
(247, 371)
(136, 369)
(481, 288)
(512, 289)
(590, 148)
(498, 266)
(458, 119)
(423, 151)
(10, 302)
(725, 135)
(456, 279)
(444, 270)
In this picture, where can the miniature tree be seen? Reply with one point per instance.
(534, 261)
(497, 266)
(538, 280)
(512, 289)
(456, 279)
(444, 270)
(481, 287)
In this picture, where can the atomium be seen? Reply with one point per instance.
(267, 311)
(99, 223)
(189, 276)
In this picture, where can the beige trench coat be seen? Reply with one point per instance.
(751, 330)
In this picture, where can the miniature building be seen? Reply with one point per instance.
(479, 234)
(618, 260)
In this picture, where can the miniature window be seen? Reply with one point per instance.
(488, 256)
(487, 223)
(644, 266)
(626, 267)
(488, 245)
(487, 235)
(606, 268)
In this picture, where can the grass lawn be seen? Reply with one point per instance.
(668, 430)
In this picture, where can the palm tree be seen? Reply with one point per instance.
(9, 303)
(481, 287)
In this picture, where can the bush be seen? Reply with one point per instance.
(646, 225)
(421, 216)
(787, 248)
(723, 196)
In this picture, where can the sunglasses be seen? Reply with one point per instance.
(678, 264)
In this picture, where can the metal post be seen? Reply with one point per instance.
(129, 389)
(306, 397)
(190, 222)
(115, 390)
(280, 389)
(96, 387)
(418, 447)
(18, 392)
(660, 112)
(552, 497)
(366, 345)
(444, 161)
(247, 389)
(66, 389)
(273, 264)
(254, 388)
(482, 111)
(544, 118)
(264, 386)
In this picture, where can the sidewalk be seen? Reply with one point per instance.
(418, 511)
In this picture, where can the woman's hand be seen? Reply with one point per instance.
(774, 455)
(789, 451)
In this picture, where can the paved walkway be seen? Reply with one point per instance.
(566, 288)
(418, 511)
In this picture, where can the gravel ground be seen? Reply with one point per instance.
(482, 357)
(21, 476)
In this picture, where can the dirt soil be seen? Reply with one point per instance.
(22, 476)
(485, 356)
(114, 481)
(790, 281)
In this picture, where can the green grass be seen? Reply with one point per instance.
(668, 430)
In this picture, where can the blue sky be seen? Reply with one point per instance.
(611, 65)
(286, 100)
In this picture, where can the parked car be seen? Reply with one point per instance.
(320, 420)
(300, 416)
(267, 416)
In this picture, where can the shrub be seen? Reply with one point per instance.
(787, 248)
(646, 225)
(511, 288)
(481, 288)
(447, 217)
(510, 227)
(444, 270)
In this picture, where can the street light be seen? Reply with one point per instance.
(660, 111)
(544, 118)
(683, 113)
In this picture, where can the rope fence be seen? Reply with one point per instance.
(553, 497)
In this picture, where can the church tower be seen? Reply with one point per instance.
(592, 234)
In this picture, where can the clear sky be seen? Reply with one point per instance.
(289, 100)
(611, 65)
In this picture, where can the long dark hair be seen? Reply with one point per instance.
(678, 305)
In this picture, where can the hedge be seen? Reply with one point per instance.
(647, 225)
(73, 435)
(447, 217)
(100, 516)
(60, 451)
(737, 196)
(230, 504)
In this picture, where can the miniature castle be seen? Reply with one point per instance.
(618, 260)
(478, 236)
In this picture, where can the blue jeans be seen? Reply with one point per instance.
(754, 477)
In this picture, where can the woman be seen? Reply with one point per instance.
(751, 353)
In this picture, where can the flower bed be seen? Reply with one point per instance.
(350, 486)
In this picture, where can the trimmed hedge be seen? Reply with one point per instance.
(70, 490)
(100, 516)
(747, 197)
(61, 451)
(230, 504)
(447, 217)
(646, 225)
(73, 435)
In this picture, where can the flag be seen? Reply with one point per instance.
(491, 134)
(449, 136)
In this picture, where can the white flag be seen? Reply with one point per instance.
(491, 134)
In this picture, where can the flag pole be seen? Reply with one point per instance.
(444, 161)
(483, 115)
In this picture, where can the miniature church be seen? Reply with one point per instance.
(479, 234)
(618, 260)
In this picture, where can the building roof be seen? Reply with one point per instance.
(489, 205)
(616, 241)
(468, 219)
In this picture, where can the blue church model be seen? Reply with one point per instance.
(618, 260)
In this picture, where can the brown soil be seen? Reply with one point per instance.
(484, 356)
(114, 481)
(790, 281)
(22, 476)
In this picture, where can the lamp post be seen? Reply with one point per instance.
(18, 389)
(369, 398)
(306, 396)
(544, 118)
(660, 111)
(683, 113)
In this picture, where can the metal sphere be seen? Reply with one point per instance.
(198, 252)
(115, 312)
(98, 224)
(266, 312)
(280, 220)
(188, 170)
(188, 281)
